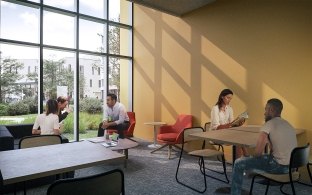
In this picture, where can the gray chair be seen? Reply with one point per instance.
(111, 183)
(299, 158)
(200, 153)
(39, 140)
(36, 141)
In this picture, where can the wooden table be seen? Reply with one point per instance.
(256, 129)
(245, 136)
(123, 144)
(155, 124)
(31, 163)
(231, 137)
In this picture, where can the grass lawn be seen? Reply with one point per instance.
(89, 134)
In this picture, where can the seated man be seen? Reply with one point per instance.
(281, 137)
(62, 103)
(115, 117)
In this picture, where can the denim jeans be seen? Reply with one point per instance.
(263, 163)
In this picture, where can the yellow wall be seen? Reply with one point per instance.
(259, 49)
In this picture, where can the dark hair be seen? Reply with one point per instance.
(223, 93)
(51, 107)
(276, 104)
(62, 99)
(113, 96)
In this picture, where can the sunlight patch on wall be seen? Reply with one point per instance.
(146, 59)
(175, 93)
(146, 27)
(176, 23)
(225, 63)
(176, 56)
(289, 110)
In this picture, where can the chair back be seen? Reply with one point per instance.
(192, 143)
(299, 157)
(183, 121)
(111, 182)
(39, 140)
(132, 121)
(207, 126)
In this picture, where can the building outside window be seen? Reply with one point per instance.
(44, 61)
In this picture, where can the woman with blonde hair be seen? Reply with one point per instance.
(48, 121)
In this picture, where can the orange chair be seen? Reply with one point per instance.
(130, 130)
(170, 135)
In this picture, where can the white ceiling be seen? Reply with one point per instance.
(174, 7)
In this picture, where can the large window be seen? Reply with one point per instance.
(49, 49)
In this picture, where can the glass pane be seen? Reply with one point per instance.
(68, 4)
(96, 8)
(120, 11)
(120, 41)
(19, 22)
(58, 76)
(120, 80)
(58, 29)
(92, 68)
(18, 84)
(92, 36)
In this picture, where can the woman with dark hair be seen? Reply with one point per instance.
(222, 116)
(48, 121)
(222, 112)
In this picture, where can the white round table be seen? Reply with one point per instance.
(155, 124)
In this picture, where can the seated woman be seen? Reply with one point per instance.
(48, 121)
(222, 115)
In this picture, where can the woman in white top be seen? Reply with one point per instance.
(222, 116)
(222, 112)
(48, 121)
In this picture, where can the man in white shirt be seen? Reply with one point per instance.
(115, 117)
(281, 137)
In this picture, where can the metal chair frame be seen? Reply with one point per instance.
(299, 158)
(201, 163)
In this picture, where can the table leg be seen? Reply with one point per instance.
(154, 145)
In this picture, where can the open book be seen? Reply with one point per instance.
(240, 119)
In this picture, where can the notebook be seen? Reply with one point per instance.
(240, 119)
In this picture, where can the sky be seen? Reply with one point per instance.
(22, 23)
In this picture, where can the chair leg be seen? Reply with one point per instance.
(224, 172)
(252, 183)
(292, 187)
(309, 171)
(159, 148)
(281, 189)
(176, 176)
(169, 151)
(267, 187)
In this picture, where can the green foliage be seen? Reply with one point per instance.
(3, 109)
(29, 119)
(18, 108)
(92, 120)
(90, 105)
(32, 103)
(69, 124)
(9, 74)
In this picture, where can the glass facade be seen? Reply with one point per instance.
(49, 49)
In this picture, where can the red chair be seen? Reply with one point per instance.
(130, 130)
(170, 135)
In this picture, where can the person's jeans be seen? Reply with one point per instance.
(265, 163)
(120, 128)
